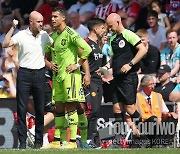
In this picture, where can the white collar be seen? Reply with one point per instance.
(144, 95)
(30, 33)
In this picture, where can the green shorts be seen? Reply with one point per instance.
(69, 90)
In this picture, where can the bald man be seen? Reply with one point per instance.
(127, 50)
(31, 74)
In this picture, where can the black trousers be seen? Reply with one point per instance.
(30, 82)
(93, 99)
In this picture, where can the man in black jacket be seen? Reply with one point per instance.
(165, 87)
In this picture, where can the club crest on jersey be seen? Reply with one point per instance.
(93, 94)
(93, 47)
(121, 43)
(63, 42)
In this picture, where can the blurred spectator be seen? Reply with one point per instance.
(96, 2)
(8, 90)
(119, 2)
(77, 26)
(10, 60)
(7, 22)
(141, 21)
(0, 60)
(68, 3)
(165, 87)
(172, 8)
(162, 17)
(151, 61)
(48, 28)
(46, 9)
(22, 9)
(175, 94)
(1, 16)
(131, 9)
(6, 7)
(85, 8)
(157, 33)
(176, 28)
(171, 55)
(105, 8)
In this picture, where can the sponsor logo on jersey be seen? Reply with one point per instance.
(76, 37)
(63, 42)
(93, 47)
(97, 56)
(121, 43)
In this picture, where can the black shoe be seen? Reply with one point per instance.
(22, 146)
(37, 145)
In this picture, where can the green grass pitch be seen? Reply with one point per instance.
(92, 151)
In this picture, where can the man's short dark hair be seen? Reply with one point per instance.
(94, 22)
(60, 10)
(152, 13)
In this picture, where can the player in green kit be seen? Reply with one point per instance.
(67, 82)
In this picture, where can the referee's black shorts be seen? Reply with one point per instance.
(125, 88)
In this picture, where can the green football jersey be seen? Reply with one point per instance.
(64, 51)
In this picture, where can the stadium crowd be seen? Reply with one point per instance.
(92, 52)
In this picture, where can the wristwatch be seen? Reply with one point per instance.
(131, 64)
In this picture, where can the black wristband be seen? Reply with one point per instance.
(131, 63)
